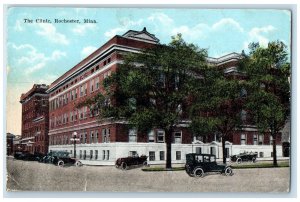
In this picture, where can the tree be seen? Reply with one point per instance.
(218, 106)
(151, 89)
(268, 100)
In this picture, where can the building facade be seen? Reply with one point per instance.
(35, 119)
(101, 143)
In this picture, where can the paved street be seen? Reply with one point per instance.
(34, 176)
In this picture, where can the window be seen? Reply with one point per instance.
(213, 150)
(243, 92)
(107, 154)
(160, 136)
(255, 139)
(261, 154)
(132, 135)
(198, 150)
(178, 155)
(80, 154)
(85, 89)
(81, 91)
(151, 156)
(91, 154)
(92, 137)
(271, 140)
(243, 139)
(96, 154)
(162, 155)
(133, 153)
(177, 138)
(97, 83)
(96, 137)
(103, 154)
(105, 134)
(151, 136)
(84, 154)
(84, 137)
(260, 139)
(92, 85)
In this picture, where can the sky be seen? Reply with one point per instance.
(41, 52)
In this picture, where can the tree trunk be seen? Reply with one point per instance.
(168, 136)
(223, 150)
(274, 149)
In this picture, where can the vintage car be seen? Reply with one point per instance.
(135, 160)
(60, 158)
(243, 157)
(198, 164)
(26, 156)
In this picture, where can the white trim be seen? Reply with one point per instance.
(110, 48)
(86, 79)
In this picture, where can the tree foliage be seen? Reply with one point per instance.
(268, 70)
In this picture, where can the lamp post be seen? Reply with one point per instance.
(74, 139)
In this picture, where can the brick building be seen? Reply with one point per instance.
(102, 143)
(35, 121)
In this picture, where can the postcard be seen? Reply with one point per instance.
(148, 99)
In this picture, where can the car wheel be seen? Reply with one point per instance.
(188, 171)
(253, 160)
(124, 166)
(239, 160)
(199, 172)
(78, 163)
(116, 165)
(145, 163)
(228, 171)
(60, 163)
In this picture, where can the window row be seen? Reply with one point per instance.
(81, 91)
(162, 157)
(93, 155)
(257, 139)
(84, 138)
(82, 76)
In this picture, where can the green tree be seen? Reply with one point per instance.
(268, 99)
(151, 89)
(218, 106)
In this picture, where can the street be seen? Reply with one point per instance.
(34, 176)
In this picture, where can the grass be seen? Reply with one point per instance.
(235, 166)
(157, 169)
(261, 165)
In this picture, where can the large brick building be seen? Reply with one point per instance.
(100, 143)
(35, 121)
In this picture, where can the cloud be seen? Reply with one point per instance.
(162, 18)
(49, 31)
(259, 34)
(30, 60)
(125, 25)
(87, 50)
(227, 22)
(81, 29)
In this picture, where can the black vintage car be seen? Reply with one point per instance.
(199, 164)
(243, 157)
(26, 156)
(60, 158)
(135, 160)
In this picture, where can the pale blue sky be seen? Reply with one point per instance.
(40, 52)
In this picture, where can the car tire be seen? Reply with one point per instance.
(198, 172)
(124, 166)
(145, 164)
(228, 171)
(60, 163)
(239, 160)
(78, 163)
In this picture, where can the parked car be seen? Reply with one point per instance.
(198, 164)
(61, 158)
(26, 156)
(242, 157)
(125, 162)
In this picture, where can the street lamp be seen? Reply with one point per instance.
(74, 139)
